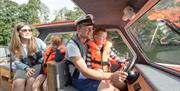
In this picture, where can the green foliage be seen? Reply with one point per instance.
(11, 13)
(74, 14)
(65, 14)
(8, 17)
(68, 36)
(44, 13)
(60, 14)
(32, 12)
(166, 3)
(29, 12)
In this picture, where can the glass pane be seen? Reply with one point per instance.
(119, 46)
(65, 36)
(158, 33)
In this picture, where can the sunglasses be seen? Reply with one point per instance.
(26, 30)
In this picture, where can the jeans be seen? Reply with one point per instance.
(86, 84)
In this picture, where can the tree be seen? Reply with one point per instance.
(29, 12)
(65, 14)
(74, 14)
(44, 13)
(11, 13)
(8, 17)
(60, 14)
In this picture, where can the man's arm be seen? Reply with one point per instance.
(73, 54)
(95, 74)
(90, 73)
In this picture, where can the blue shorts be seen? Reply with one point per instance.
(86, 84)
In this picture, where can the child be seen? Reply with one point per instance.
(54, 52)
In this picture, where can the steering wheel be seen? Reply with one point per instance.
(130, 65)
(132, 75)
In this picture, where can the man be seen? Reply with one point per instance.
(84, 78)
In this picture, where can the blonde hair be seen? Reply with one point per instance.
(56, 40)
(16, 44)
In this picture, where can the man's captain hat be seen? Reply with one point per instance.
(86, 20)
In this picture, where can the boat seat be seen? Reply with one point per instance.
(59, 77)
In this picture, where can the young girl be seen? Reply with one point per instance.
(26, 51)
(54, 52)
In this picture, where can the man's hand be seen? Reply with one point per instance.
(119, 76)
(124, 65)
(30, 71)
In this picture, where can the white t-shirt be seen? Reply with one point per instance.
(72, 50)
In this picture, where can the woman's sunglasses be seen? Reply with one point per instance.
(25, 30)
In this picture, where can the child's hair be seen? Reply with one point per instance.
(56, 40)
(97, 30)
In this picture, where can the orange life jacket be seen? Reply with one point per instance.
(49, 55)
(99, 58)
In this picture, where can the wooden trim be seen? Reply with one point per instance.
(5, 79)
(5, 73)
(143, 84)
(51, 76)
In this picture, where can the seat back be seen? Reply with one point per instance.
(58, 76)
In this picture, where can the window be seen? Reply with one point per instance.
(66, 36)
(119, 45)
(114, 35)
(158, 33)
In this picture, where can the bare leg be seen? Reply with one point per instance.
(29, 84)
(45, 87)
(120, 85)
(106, 86)
(18, 85)
(38, 81)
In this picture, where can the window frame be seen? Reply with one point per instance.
(145, 60)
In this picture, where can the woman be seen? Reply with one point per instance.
(55, 51)
(26, 51)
